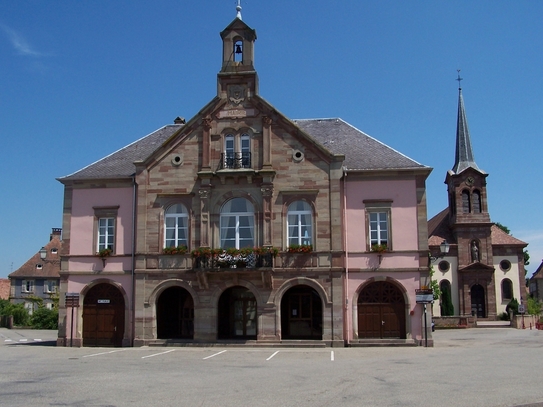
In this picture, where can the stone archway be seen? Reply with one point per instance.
(301, 314)
(175, 314)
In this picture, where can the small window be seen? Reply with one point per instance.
(505, 265)
(106, 233)
(299, 224)
(29, 306)
(27, 286)
(378, 228)
(176, 226)
(444, 266)
(39, 266)
(49, 286)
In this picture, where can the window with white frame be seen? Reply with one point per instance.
(507, 289)
(49, 305)
(378, 223)
(27, 286)
(29, 306)
(237, 151)
(176, 226)
(49, 286)
(299, 224)
(237, 224)
(106, 234)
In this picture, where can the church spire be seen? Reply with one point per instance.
(464, 153)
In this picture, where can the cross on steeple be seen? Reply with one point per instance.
(459, 79)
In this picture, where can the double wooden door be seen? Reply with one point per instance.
(103, 316)
(381, 312)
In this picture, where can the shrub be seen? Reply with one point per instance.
(44, 318)
(512, 307)
(504, 316)
(18, 311)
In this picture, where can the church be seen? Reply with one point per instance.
(243, 226)
(479, 267)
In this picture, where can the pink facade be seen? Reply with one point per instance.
(402, 265)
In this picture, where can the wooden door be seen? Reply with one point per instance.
(381, 312)
(103, 316)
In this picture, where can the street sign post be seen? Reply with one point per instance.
(71, 300)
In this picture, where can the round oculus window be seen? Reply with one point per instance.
(444, 265)
(505, 265)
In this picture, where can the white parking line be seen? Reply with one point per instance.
(8, 340)
(23, 340)
(222, 351)
(156, 354)
(103, 353)
(273, 355)
(37, 340)
(332, 356)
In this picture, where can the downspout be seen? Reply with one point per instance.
(134, 211)
(346, 264)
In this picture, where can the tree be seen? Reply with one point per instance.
(533, 306)
(524, 252)
(447, 307)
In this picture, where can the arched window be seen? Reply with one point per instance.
(476, 201)
(245, 142)
(507, 289)
(176, 226)
(237, 224)
(466, 204)
(299, 224)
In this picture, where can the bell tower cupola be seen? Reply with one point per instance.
(238, 41)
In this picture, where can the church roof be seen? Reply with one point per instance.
(439, 230)
(464, 157)
(361, 151)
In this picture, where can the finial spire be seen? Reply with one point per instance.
(459, 79)
(238, 9)
(464, 157)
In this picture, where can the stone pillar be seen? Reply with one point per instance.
(267, 194)
(204, 193)
(206, 143)
(266, 142)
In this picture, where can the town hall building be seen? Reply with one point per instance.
(241, 225)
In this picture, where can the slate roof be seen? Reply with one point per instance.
(120, 164)
(439, 230)
(362, 152)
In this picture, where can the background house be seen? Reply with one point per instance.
(37, 280)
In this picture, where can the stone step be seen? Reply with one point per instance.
(383, 342)
(240, 344)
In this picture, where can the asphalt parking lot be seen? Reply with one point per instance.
(474, 367)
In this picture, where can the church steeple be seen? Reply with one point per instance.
(464, 157)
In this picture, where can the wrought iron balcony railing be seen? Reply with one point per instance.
(235, 160)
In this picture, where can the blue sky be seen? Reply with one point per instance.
(81, 79)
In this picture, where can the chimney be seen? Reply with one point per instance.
(55, 232)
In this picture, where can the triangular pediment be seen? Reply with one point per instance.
(477, 266)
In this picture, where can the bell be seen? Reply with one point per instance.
(238, 49)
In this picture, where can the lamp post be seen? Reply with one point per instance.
(444, 248)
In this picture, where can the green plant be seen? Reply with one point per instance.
(379, 248)
(274, 251)
(512, 307)
(447, 307)
(202, 252)
(300, 248)
(44, 318)
(533, 306)
(18, 311)
(504, 316)
(182, 249)
(105, 253)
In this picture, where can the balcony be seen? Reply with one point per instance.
(234, 161)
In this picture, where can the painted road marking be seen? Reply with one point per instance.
(215, 354)
(273, 355)
(103, 353)
(332, 356)
(156, 354)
